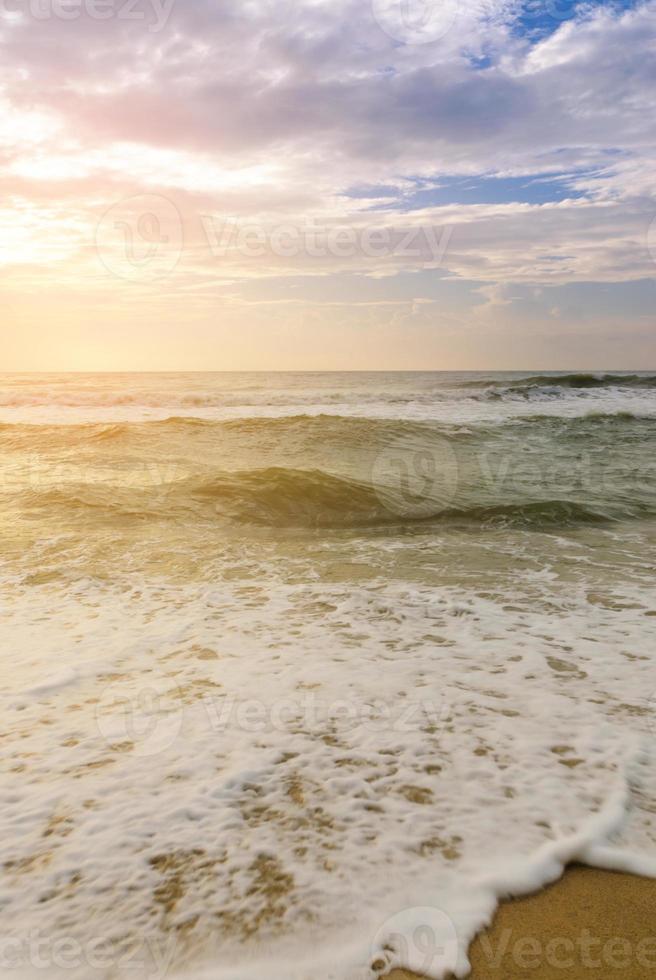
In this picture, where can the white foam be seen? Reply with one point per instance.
(70, 399)
(360, 746)
(319, 748)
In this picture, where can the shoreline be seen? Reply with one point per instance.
(590, 924)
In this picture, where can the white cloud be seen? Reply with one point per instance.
(270, 112)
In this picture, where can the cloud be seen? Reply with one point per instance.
(268, 113)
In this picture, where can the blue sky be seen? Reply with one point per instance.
(275, 183)
(536, 19)
(484, 189)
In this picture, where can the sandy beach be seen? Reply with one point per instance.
(591, 924)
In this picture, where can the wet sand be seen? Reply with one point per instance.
(590, 925)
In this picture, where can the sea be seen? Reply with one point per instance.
(302, 673)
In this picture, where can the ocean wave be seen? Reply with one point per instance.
(225, 394)
(582, 380)
(107, 399)
(273, 497)
(349, 428)
(546, 387)
(357, 431)
(279, 497)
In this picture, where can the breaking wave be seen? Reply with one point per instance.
(349, 430)
(582, 380)
(278, 497)
(549, 386)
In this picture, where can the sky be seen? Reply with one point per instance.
(327, 184)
